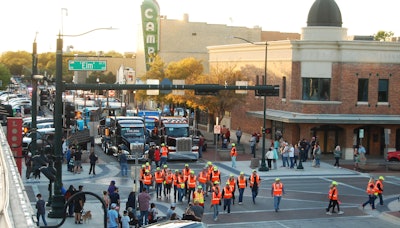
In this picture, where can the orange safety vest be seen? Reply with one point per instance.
(232, 184)
(241, 182)
(164, 151)
(233, 152)
(168, 178)
(277, 189)
(186, 173)
(159, 177)
(202, 178)
(198, 196)
(371, 188)
(142, 172)
(210, 169)
(215, 176)
(147, 179)
(376, 185)
(175, 179)
(215, 198)
(181, 180)
(333, 194)
(227, 193)
(256, 180)
(192, 181)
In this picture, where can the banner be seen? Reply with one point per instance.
(14, 138)
(150, 26)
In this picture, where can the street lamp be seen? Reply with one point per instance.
(263, 166)
(57, 210)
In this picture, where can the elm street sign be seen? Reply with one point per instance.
(87, 65)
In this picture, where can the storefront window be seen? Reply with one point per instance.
(317, 89)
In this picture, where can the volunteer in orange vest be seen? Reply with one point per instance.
(168, 179)
(175, 181)
(186, 173)
(227, 196)
(255, 182)
(233, 155)
(191, 184)
(277, 191)
(159, 177)
(164, 154)
(202, 179)
(379, 186)
(216, 200)
(147, 180)
(210, 169)
(232, 184)
(333, 199)
(181, 187)
(371, 190)
(165, 171)
(198, 196)
(141, 176)
(242, 185)
(215, 175)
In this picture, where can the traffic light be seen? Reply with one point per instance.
(69, 114)
(206, 89)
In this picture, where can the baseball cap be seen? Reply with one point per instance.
(173, 204)
(113, 205)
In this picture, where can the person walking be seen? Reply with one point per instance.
(71, 190)
(28, 164)
(337, 154)
(159, 179)
(371, 190)
(164, 154)
(191, 182)
(255, 181)
(277, 191)
(317, 155)
(198, 196)
(115, 198)
(77, 161)
(291, 155)
(93, 159)
(41, 209)
(144, 205)
(253, 141)
(112, 217)
(233, 155)
(227, 196)
(242, 185)
(123, 162)
(238, 135)
(333, 199)
(216, 201)
(379, 189)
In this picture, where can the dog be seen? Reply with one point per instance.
(86, 216)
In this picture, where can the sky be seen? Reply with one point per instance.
(23, 20)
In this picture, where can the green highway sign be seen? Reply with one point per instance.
(87, 65)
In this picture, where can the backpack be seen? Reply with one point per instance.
(67, 195)
(150, 216)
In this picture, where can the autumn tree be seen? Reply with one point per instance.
(17, 62)
(383, 35)
(5, 76)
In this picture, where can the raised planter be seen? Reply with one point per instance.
(224, 154)
(368, 167)
(393, 166)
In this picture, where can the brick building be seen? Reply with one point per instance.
(337, 88)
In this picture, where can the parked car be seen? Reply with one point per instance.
(393, 156)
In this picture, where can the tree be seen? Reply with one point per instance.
(383, 35)
(5, 76)
(17, 62)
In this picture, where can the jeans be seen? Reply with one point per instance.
(216, 211)
(163, 161)
(380, 198)
(277, 201)
(124, 169)
(253, 149)
(317, 162)
(43, 218)
(181, 193)
(158, 189)
(371, 200)
(92, 168)
(190, 192)
(238, 139)
(241, 191)
(291, 162)
(254, 193)
(285, 161)
(145, 215)
(227, 204)
(233, 161)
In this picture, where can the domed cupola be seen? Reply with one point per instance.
(324, 22)
(324, 13)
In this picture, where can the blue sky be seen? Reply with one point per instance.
(22, 19)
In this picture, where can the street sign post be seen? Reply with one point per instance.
(83, 65)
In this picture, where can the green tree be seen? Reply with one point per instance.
(17, 62)
(5, 76)
(383, 35)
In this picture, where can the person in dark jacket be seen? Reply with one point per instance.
(41, 209)
(131, 201)
(93, 159)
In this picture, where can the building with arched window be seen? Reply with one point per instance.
(340, 89)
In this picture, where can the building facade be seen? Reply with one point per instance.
(339, 90)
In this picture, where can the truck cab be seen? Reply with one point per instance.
(132, 133)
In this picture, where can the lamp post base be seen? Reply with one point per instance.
(300, 166)
(57, 207)
(263, 167)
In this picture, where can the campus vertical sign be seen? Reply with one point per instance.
(150, 26)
